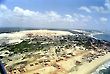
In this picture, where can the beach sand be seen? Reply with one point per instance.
(66, 66)
(17, 36)
(85, 68)
(88, 68)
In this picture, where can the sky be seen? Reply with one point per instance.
(65, 14)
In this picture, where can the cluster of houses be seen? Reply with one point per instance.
(42, 59)
(66, 48)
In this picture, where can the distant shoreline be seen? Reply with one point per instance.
(85, 68)
(103, 37)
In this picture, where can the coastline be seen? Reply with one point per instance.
(104, 67)
(85, 68)
(88, 68)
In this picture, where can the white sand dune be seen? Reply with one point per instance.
(16, 36)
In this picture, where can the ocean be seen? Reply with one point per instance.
(105, 68)
(103, 37)
(9, 30)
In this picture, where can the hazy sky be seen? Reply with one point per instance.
(70, 14)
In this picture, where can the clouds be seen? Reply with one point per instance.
(3, 7)
(103, 20)
(19, 17)
(84, 8)
(107, 4)
(100, 9)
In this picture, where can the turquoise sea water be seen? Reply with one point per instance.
(105, 68)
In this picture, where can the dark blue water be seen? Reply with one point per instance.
(107, 38)
(9, 30)
(14, 29)
(103, 69)
(103, 37)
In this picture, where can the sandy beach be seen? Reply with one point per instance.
(88, 68)
(66, 66)
(70, 64)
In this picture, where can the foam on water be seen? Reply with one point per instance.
(102, 68)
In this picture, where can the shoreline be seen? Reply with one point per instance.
(89, 68)
(105, 65)
(85, 68)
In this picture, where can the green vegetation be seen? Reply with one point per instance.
(24, 46)
(41, 43)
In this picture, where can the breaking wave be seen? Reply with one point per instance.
(103, 69)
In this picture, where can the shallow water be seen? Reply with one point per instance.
(103, 69)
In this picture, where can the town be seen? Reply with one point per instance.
(60, 54)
